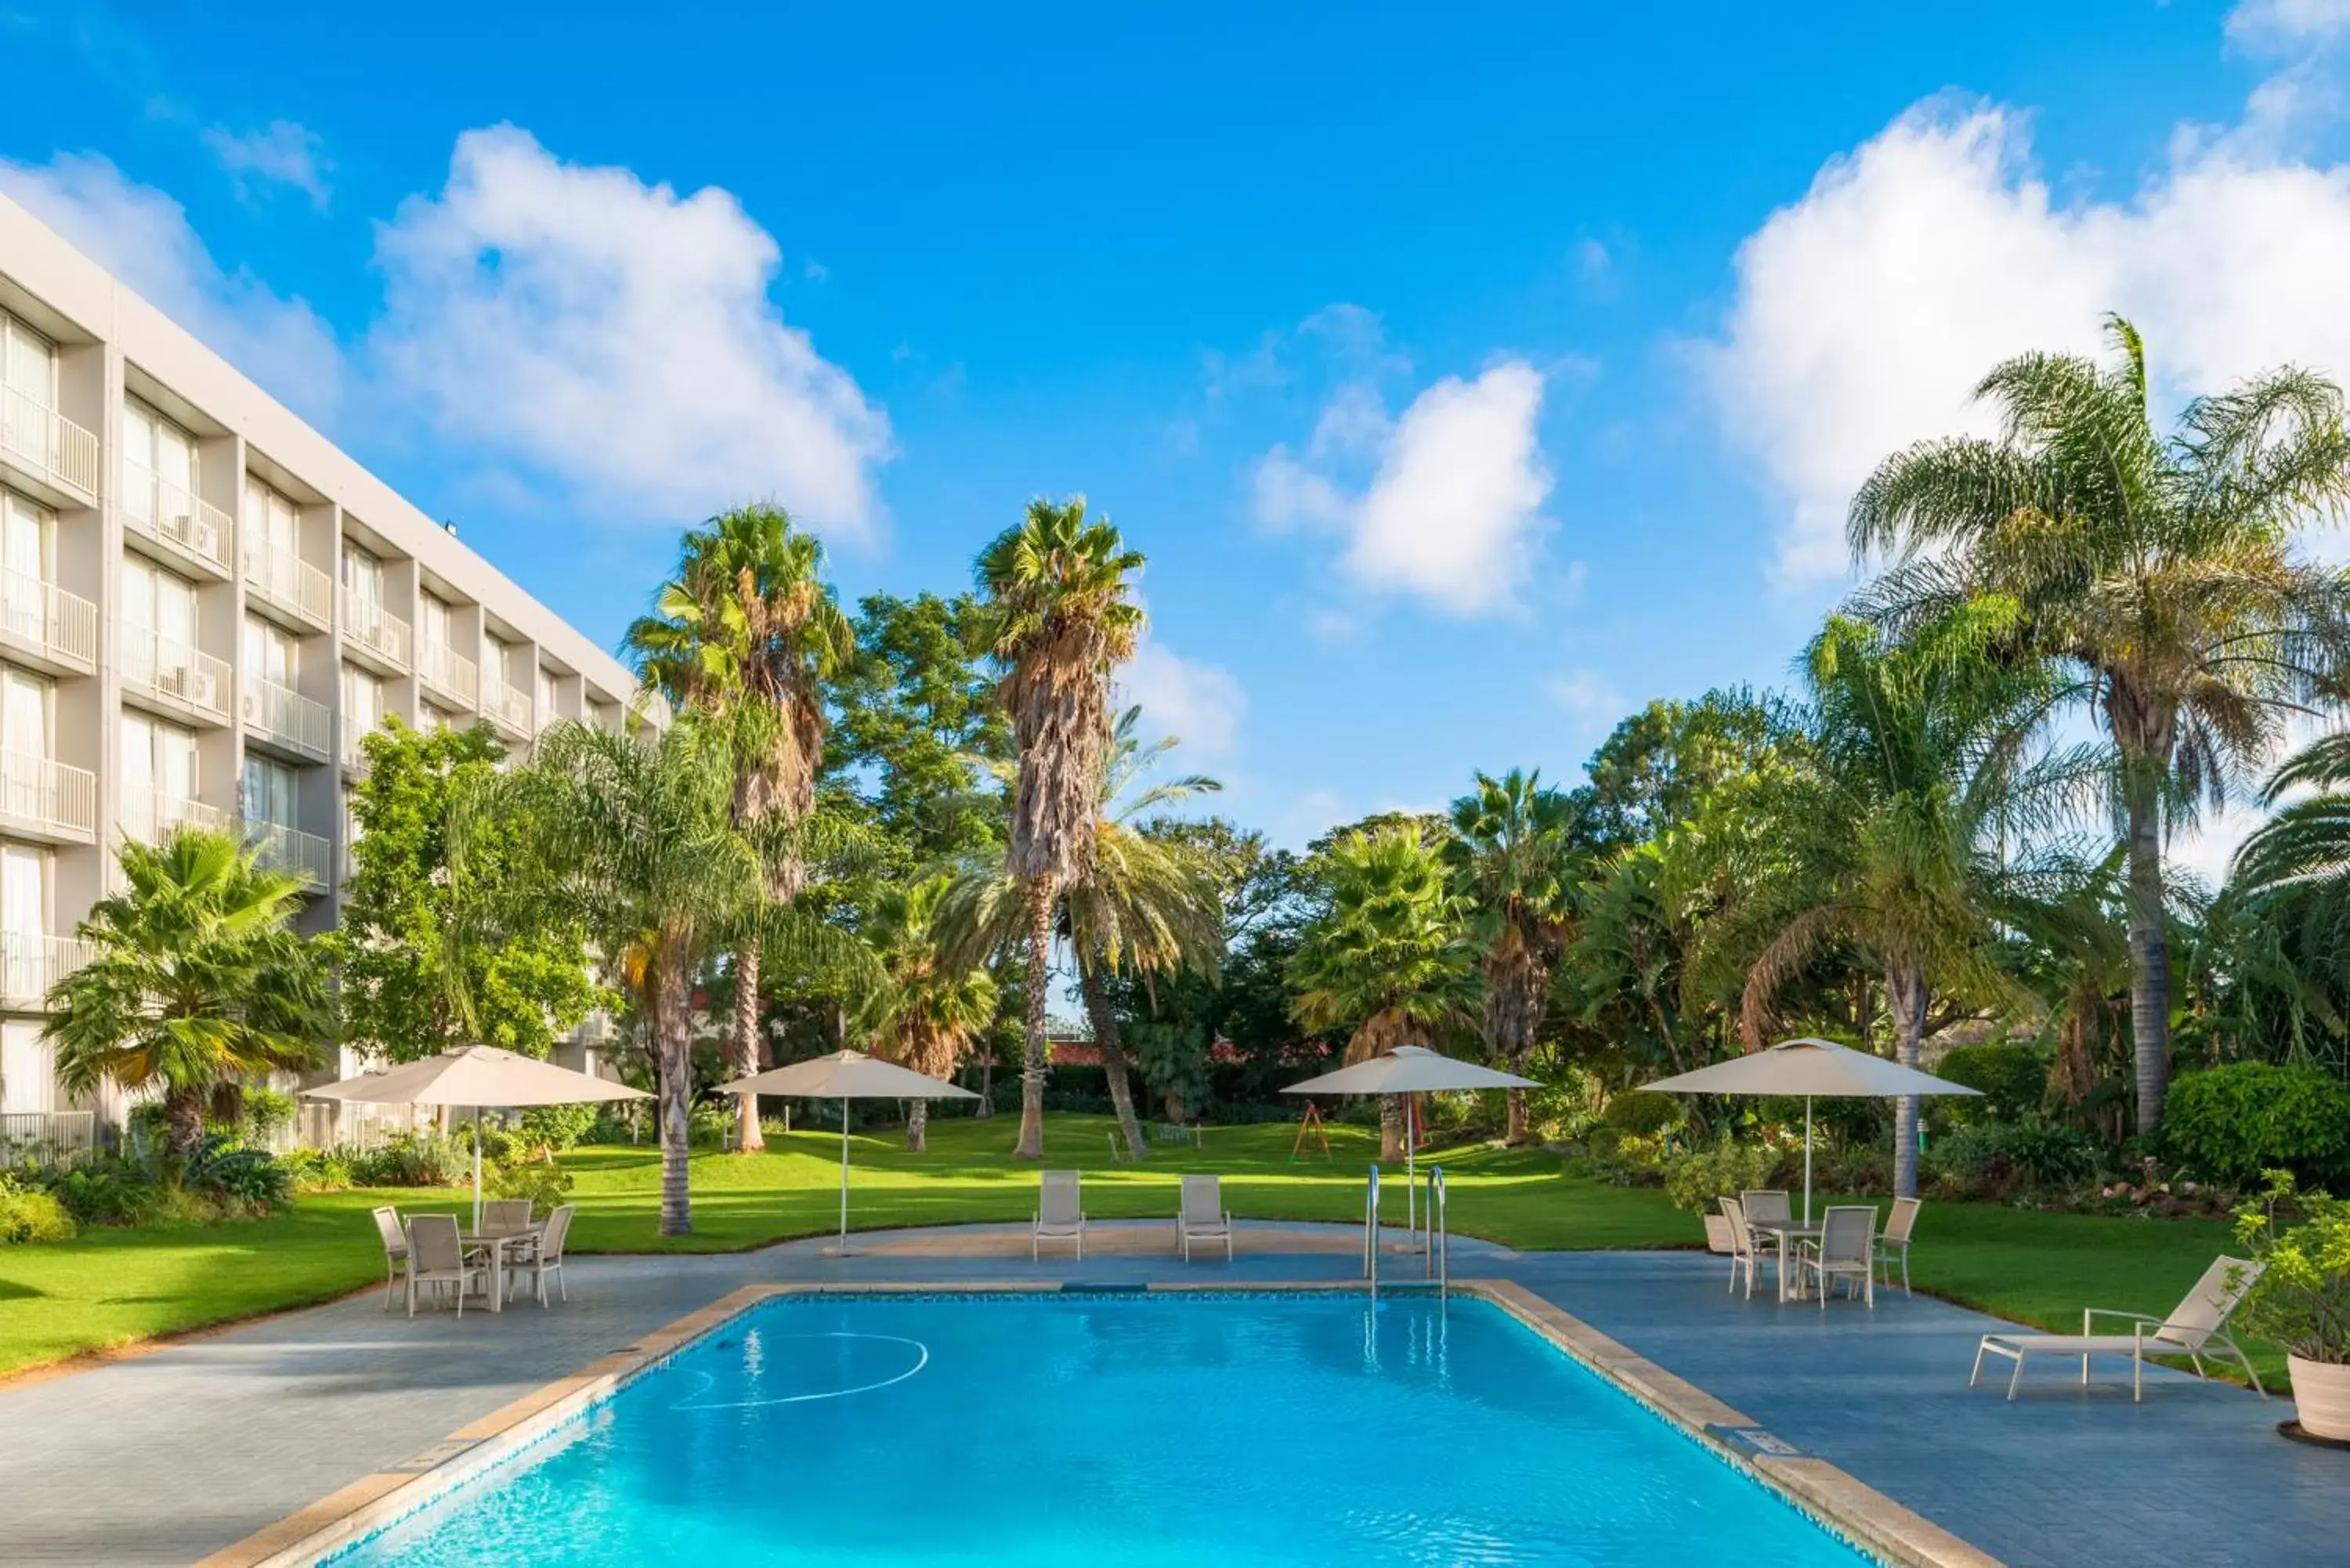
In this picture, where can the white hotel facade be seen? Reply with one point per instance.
(204, 606)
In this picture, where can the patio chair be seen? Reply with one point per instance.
(1893, 1242)
(1202, 1217)
(2194, 1327)
(1060, 1212)
(1745, 1252)
(504, 1216)
(1766, 1205)
(1845, 1251)
(395, 1251)
(436, 1257)
(542, 1255)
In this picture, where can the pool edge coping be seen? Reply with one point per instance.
(1823, 1492)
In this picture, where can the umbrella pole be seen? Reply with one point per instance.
(477, 1169)
(1410, 1171)
(1807, 1160)
(844, 1179)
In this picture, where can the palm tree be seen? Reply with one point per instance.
(927, 1010)
(749, 621)
(1512, 855)
(2159, 572)
(197, 980)
(1387, 959)
(635, 838)
(1057, 617)
(1896, 834)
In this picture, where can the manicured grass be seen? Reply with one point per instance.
(111, 1288)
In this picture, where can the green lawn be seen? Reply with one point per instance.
(107, 1288)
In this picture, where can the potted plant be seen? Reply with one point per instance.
(2302, 1299)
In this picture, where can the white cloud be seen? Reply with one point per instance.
(619, 340)
(1451, 510)
(284, 153)
(2288, 24)
(1865, 312)
(143, 236)
(1586, 696)
(1200, 704)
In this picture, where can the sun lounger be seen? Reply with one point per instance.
(1202, 1217)
(2194, 1327)
(1060, 1212)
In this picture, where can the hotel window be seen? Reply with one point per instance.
(28, 363)
(363, 705)
(431, 719)
(432, 622)
(268, 792)
(158, 773)
(271, 654)
(25, 531)
(160, 457)
(547, 687)
(271, 519)
(23, 716)
(161, 602)
(28, 1083)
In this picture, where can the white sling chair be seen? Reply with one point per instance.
(2194, 1327)
(1202, 1217)
(1060, 1212)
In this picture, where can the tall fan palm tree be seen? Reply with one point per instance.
(1057, 617)
(197, 980)
(2160, 571)
(1899, 830)
(635, 838)
(1513, 857)
(749, 621)
(1389, 958)
(929, 1007)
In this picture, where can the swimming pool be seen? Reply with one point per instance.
(1057, 1429)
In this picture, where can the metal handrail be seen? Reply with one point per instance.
(1371, 1232)
(1439, 1233)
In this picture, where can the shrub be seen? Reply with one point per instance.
(252, 1179)
(106, 1192)
(409, 1159)
(1999, 1159)
(318, 1169)
(712, 1126)
(559, 1127)
(2230, 1124)
(267, 1113)
(2014, 1080)
(2302, 1302)
(27, 1213)
(1637, 1111)
(543, 1181)
(1693, 1180)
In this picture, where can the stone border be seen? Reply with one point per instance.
(1839, 1502)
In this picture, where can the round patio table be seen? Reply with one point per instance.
(496, 1242)
(1789, 1232)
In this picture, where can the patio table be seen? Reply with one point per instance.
(496, 1242)
(1789, 1232)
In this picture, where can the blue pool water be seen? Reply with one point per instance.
(1054, 1429)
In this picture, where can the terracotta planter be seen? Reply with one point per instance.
(2321, 1397)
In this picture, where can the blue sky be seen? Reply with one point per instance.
(1469, 374)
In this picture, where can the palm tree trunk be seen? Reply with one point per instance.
(748, 1137)
(986, 1107)
(1031, 1143)
(1391, 1128)
(183, 1122)
(918, 1127)
(2149, 960)
(1904, 994)
(1113, 1058)
(673, 1058)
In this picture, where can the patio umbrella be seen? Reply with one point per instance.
(846, 1075)
(1410, 1070)
(475, 1075)
(1814, 1069)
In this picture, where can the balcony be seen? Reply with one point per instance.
(151, 816)
(354, 753)
(30, 964)
(40, 798)
(370, 628)
(507, 708)
(284, 715)
(292, 584)
(287, 848)
(167, 672)
(162, 511)
(449, 672)
(57, 629)
(48, 446)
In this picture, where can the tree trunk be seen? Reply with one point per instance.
(1031, 1144)
(1113, 1058)
(2149, 960)
(183, 1123)
(1391, 1128)
(1517, 985)
(1904, 994)
(986, 1089)
(747, 1137)
(673, 1057)
(918, 1127)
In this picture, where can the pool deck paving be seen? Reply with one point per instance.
(168, 1456)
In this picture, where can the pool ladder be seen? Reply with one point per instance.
(1438, 1237)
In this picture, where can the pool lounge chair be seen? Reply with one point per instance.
(1060, 1212)
(1202, 1216)
(436, 1257)
(395, 1251)
(2194, 1327)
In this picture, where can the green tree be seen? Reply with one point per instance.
(197, 980)
(749, 621)
(1514, 853)
(930, 1008)
(1058, 616)
(394, 946)
(1389, 958)
(2158, 572)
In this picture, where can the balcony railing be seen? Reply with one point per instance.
(506, 705)
(30, 964)
(151, 815)
(284, 715)
(292, 582)
(374, 628)
(51, 1138)
(167, 667)
(48, 443)
(49, 794)
(291, 849)
(62, 625)
(153, 505)
(443, 666)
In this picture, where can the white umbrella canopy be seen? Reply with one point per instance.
(1815, 1069)
(846, 1075)
(1410, 1070)
(475, 1075)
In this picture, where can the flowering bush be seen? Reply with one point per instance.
(2301, 1301)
